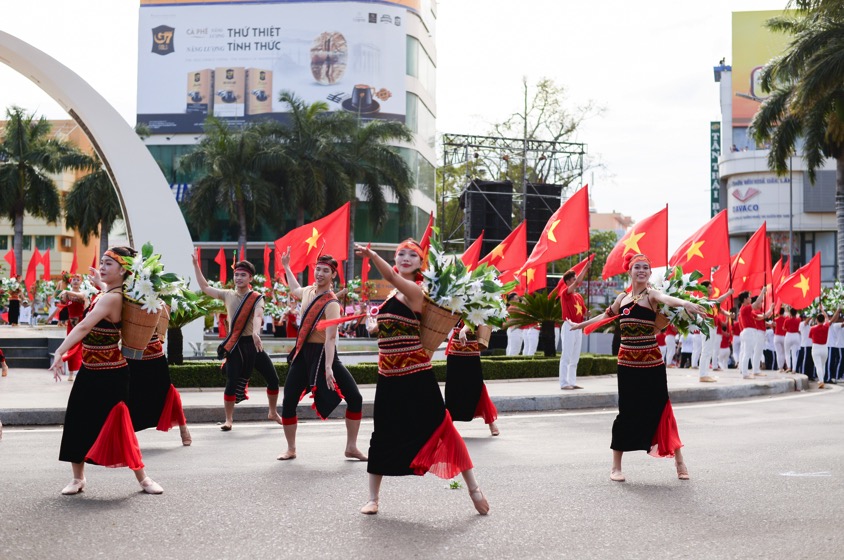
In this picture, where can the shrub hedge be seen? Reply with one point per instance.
(210, 374)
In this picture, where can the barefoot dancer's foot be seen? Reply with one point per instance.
(275, 418)
(186, 439)
(617, 476)
(682, 471)
(493, 429)
(355, 453)
(226, 427)
(287, 455)
(479, 500)
(370, 507)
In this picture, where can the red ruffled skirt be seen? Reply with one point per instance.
(172, 414)
(445, 454)
(117, 446)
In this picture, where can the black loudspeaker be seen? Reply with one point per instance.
(542, 201)
(488, 207)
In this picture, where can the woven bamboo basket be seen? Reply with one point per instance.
(163, 323)
(137, 329)
(437, 323)
(483, 333)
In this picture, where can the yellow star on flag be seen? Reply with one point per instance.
(531, 272)
(551, 230)
(694, 250)
(312, 240)
(803, 284)
(498, 252)
(632, 242)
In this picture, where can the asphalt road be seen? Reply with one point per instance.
(766, 483)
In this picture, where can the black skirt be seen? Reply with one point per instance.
(93, 396)
(14, 311)
(464, 382)
(642, 396)
(149, 383)
(408, 410)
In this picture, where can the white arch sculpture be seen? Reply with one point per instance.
(149, 208)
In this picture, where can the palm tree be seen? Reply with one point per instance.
(27, 156)
(369, 161)
(91, 207)
(233, 166)
(807, 97)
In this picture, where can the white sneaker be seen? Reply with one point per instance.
(75, 487)
(151, 487)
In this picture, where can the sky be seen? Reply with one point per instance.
(649, 65)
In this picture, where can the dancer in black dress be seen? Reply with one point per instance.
(466, 397)
(645, 418)
(97, 426)
(413, 431)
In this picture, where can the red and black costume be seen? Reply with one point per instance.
(97, 425)
(466, 396)
(413, 431)
(307, 371)
(645, 418)
(153, 400)
(75, 311)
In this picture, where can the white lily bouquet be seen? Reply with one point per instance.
(477, 295)
(688, 288)
(832, 297)
(354, 292)
(44, 289)
(10, 284)
(273, 310)
(148, 285)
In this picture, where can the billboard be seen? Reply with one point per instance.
(753, 46)
(231, 60)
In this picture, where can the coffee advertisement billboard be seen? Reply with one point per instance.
(238, 57)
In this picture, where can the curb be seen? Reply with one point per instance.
(542, 403)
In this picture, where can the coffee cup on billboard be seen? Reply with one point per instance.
(227, 96)
(362, 96)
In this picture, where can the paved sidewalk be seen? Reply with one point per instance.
(31, 397)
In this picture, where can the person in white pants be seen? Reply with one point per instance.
(515, 335)
(711, 343)
(819, 335)
(724, 350)
(736, 330)
(697, 346)
(670, 345)
(792, 340)
(836, 348)
(779, 339)
(574, 311)
(752, 334)
(531, 338)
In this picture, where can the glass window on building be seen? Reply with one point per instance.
(420, 65)
(27, 242)
(421, 120)
(44, 242)
(4, 242)
(825, 245)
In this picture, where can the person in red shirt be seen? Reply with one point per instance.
(792, 340)
(712, 343)
(723, 326)
(736, 336)
(574, 309)
(752, 334)
(779, 339)
(818, 334)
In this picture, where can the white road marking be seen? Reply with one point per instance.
(808, 474)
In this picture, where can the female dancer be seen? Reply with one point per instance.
(466, 396)
(413, 431)
(97, 426)
(645, 418)
(73, 302)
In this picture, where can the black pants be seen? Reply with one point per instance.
(240, 362)
(307, 374)
(805, 363)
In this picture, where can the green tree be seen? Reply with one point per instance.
(543, 308)
(27, 156)
(91, 206)
(806, 102)
(233, 164)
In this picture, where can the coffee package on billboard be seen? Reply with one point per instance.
(229, 86)
(200, 92)
(259, 91)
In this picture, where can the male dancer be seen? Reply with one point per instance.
(242, 349)
(574, 309)
(314, 365)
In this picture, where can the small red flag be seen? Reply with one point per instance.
(268, 281)
(29, 279)
(801, 288)
(708, 248)
(220, 259)
(533, 278)
(242, 253)
(45, 260)
(566, 233)
(74, 264)
(328, 235)
(426, 236)
(473, 253)
(13, 263)
(649, 237)
(511, 253)
(94, 262)
(750, 265)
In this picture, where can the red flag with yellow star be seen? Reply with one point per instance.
(328, 235)
(649, 237)
(425, 240)
(511, 253)
(800, 289)
(750, 265)
(708, 248)
(566, 233)
(473, 253)
(533, 278)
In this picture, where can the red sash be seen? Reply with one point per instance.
(310, 318)
(241, 317)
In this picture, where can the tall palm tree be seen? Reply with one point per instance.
(807, 97)
(233, 165)
(369, 161)
(91, 207)
(27, 156)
